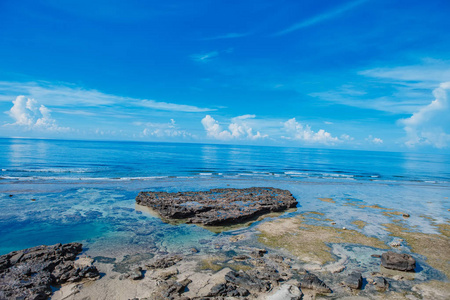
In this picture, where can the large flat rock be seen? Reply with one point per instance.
(218, 206)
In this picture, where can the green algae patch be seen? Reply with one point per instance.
(329, 200)
(435, 247)
(217, 263)
(393, 213)
(312, 213)
(359, 223)
(376, 206)
(211, 263)
(309, 242)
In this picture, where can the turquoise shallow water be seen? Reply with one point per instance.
(84, 191)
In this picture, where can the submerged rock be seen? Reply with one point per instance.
(218, 206)
(30, 273)
(397, 261)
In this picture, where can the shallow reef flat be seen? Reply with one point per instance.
(329, 247)
(335, 251)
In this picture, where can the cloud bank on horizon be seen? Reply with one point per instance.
(353, 74)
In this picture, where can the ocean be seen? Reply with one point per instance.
(57, 191)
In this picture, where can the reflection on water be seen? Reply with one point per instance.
(21, 158)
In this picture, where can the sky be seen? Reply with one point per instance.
(344, 74)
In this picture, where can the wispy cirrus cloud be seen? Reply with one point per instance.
(398, 89)
(66, 96)
(231, 35)
(172, 106)
(321, 17)
(204, 57)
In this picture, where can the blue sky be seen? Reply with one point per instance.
(353, 74)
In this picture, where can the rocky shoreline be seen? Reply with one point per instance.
(253, 273)
(218, 207)
(31, 273)
(284, 261)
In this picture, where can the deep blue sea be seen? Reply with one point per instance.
(55, 191)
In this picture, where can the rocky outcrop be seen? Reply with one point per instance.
(312, 282)
(397, 261)
(30, 273)
(243, 283)
(218, 206)
(164, 262)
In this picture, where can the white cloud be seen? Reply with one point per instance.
(304, 133)
(346, 137)
(29, 115)
(238, 129)
(374, 140)
(160, 130)
(322, 17)
(430, 125)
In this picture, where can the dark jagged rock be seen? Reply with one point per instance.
(353, 281)
(312, 282)
(218, 206)
(30, 273)
(397, 261)
(170, 289)
(164, 262)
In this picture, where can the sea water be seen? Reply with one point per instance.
(56, 191)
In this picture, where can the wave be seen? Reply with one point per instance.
(290, 175)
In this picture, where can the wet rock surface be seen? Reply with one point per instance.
(30, 273)
(398, 261)
(218, 206)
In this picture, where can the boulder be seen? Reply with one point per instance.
(398, 261)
